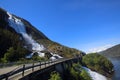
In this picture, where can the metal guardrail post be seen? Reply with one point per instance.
(45, 63)
(51, 62)
(23, 70)
(33, 67)
(6, 77)
(40, 64)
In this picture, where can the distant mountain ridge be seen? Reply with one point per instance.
(17, 34)
(112, 52)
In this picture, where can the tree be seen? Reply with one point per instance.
(14, 54)
(9, 55)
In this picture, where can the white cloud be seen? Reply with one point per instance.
(98, 49)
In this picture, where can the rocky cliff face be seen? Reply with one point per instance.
(16, 32)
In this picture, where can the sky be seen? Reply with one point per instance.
(88, 25)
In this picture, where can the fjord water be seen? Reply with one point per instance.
(116, 63)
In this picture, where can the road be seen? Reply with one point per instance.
(7, 69)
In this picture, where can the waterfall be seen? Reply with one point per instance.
(94, 75)
(35, 45)
(19, 27)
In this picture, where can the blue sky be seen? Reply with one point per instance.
(83, 24)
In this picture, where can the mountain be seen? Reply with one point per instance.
(20, 39)
(112, 52)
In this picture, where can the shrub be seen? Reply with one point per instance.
(84, 75)
(55, 76)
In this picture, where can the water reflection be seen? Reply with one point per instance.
(116, 63)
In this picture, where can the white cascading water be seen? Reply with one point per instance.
(55, 56)
(19, 27)
(94, 75)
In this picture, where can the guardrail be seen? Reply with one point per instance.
(24, 67)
